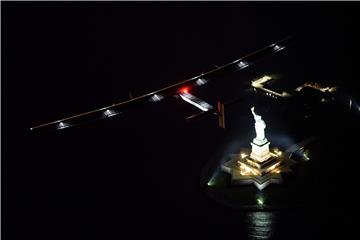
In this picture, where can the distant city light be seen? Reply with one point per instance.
(316, 86)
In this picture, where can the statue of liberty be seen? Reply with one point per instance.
(259, 126)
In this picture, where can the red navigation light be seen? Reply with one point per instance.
(184, 90)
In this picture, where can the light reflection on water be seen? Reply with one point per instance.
(261, 224)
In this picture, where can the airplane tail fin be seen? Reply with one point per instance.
(221, 114)
(219, 111)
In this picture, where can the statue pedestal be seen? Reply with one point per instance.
(260, 150)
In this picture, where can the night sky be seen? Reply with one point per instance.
(139, 173)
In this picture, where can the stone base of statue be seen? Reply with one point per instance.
(260, 150)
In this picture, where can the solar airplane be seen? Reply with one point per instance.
(180, 89)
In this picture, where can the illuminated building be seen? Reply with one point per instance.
(260, 84)
(261, 165)
(316, 86)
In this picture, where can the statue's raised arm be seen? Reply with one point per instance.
(256, 117)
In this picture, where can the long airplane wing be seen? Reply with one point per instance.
(154, 96)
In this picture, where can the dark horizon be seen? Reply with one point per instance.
(141, 173)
